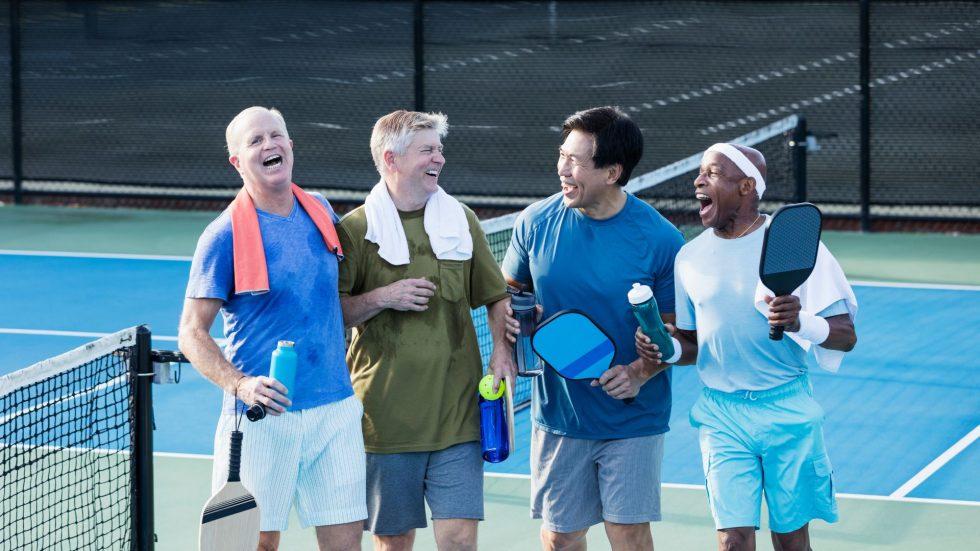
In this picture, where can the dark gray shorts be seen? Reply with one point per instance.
(576, 483)
(400, 484)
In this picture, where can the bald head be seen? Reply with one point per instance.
(754, 156)
(744, 160)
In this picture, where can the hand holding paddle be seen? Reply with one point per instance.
(789, 253)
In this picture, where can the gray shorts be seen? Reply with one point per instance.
(576, 483)
(399, 485)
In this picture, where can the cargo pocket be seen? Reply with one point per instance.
(824, 503)
(451, 280)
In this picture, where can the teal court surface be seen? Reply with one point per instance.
(903, 414)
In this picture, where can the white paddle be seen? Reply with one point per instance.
(230, 520)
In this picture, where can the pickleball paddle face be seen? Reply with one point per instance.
(230, 519)
(789, 251)
(573, 345)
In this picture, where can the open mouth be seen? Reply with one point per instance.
(433, 173)
(706, 203)
(272, 161)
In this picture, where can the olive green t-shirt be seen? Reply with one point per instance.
(417, 372)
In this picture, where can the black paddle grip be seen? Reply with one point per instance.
(776, 332)
(235, 457)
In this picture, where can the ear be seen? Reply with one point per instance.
(613, 173)
(389, 159)
(746, 186)
(234, 162)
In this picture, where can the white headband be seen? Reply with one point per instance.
(742, 162)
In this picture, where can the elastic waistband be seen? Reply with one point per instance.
(797, 385)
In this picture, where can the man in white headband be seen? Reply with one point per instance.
(760, 429)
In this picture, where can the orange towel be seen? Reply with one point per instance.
(251, 272)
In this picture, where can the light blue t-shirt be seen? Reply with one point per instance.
(590, 265)
(302, 304)
(715, 281)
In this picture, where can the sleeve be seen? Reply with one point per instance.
(486, 284)
(664, 272)
(349, 276)
(836, 309)
(516, 264)
(684, 306)
(212, 269)
(333, 215)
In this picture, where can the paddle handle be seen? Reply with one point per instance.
(776, 332)
(235, 457)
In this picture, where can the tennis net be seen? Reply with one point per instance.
(669, 189)
(73, 449)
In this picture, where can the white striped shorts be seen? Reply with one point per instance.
(312, 457)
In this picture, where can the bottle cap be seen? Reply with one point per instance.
(521, 301)
(286, 344)
(639, 294)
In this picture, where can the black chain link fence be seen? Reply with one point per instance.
(132, 98)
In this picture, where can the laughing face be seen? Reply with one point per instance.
(583, 186)
(419, 167)
(719, 187)
(265, 152)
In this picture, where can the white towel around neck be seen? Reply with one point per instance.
(444, 221)
(825, 286)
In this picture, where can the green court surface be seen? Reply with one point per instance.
(182, 484)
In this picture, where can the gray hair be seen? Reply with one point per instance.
(395, 131)
(234, 127)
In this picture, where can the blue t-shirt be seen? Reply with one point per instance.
(302, 304)
(590, 265)
(715, 281)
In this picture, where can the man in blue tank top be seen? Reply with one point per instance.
(595, 458)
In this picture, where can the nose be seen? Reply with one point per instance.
(564, 166)
(439, 158)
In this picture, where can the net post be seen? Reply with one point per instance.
(15, 103)
(799, 145)
(419, 47)
(141, 371)
(865, 76)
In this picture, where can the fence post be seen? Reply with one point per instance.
(16, 133)
(419, 55)
(799, 145)
(865, 22)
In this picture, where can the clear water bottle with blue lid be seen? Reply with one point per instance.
(523, 305)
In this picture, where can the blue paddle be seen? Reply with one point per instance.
(789, 251)
(574, 346)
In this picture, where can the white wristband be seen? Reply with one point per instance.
(677, 352)
(813, 328)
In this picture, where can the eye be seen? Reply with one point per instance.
(255, 140)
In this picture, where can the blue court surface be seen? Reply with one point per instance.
(903, 414)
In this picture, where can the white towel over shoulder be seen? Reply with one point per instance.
(444, 221)
(825, 286)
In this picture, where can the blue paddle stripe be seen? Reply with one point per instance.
(588, 359)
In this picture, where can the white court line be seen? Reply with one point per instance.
(67, 254)
(488, 229)
(937, 463)
(676, 486)
(54, 333)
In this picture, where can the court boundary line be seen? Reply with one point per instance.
(671, 485)
(937, 463)
(174, 258)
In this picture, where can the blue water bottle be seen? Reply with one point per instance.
(494, 439)
(283, 369)
(646, 312)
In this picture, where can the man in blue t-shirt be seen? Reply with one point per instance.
(309, 449)
(760, 428)
(595, 458)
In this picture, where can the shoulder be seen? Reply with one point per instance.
(355, 222)
(540, 212)
(217, 232)
(652, 220)
(692, 248)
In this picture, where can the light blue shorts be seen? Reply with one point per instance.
(772, 441)
(313, 458)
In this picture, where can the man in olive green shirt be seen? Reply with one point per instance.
(416, 263)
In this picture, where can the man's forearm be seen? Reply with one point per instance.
(497, 316)
(689, 347)
(360, 308)
(842, 336)
(208, 360)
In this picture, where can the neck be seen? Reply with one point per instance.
(406, 200)
(278, 200)
(608, 206)
(742, 223)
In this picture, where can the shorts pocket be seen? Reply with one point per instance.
(823, 485)
(451, 280)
